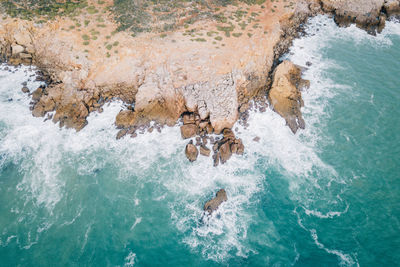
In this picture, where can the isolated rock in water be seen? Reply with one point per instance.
(125, 119)
(214, 203)
(188, 130)
(25, 89)
(285, 95)
(191, 151)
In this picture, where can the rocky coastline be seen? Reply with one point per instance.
(206, 87)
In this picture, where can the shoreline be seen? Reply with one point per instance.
(165, 104)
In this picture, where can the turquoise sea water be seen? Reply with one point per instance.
(328, 196)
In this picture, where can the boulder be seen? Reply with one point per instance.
(25, 89)
(225, 152)
(125, 119)
(205, 151)
(188, 130)
(285, 96)
(191, 151)
(214, 203)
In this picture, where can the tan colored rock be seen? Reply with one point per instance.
(191, 152)
(392, 7)
(214, 203)
(188, 118)
(240, 149)
(125, 119)
(17, 49)
(228, 134)
(45, 104)
(225, 152)
(205, 151)
(72, 115)
(37, 94)
(285, 96)
(22, 37)
(188, 130)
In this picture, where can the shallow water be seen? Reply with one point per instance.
(327, 196)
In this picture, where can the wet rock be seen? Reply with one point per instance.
(191, 151)
(72, 115)
(225, 152)
(37, 94)
(256, 139)
(214, 203)
(188, 130)
(228, 134)
(205, 151)
(121, 133)
(240, 149)
(216, 159)
(25, 89)
(125, 119)
(45, 104)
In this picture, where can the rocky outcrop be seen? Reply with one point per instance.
(392, 7)
(214, 203)
(191, 151)
(125, 119)
(285, 95)
(365, 14)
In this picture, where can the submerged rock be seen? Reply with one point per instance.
(214, 203)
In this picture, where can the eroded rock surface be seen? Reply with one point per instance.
(285, 95)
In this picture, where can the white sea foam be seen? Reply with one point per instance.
(130, 260)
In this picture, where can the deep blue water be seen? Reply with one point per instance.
(327, 196)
